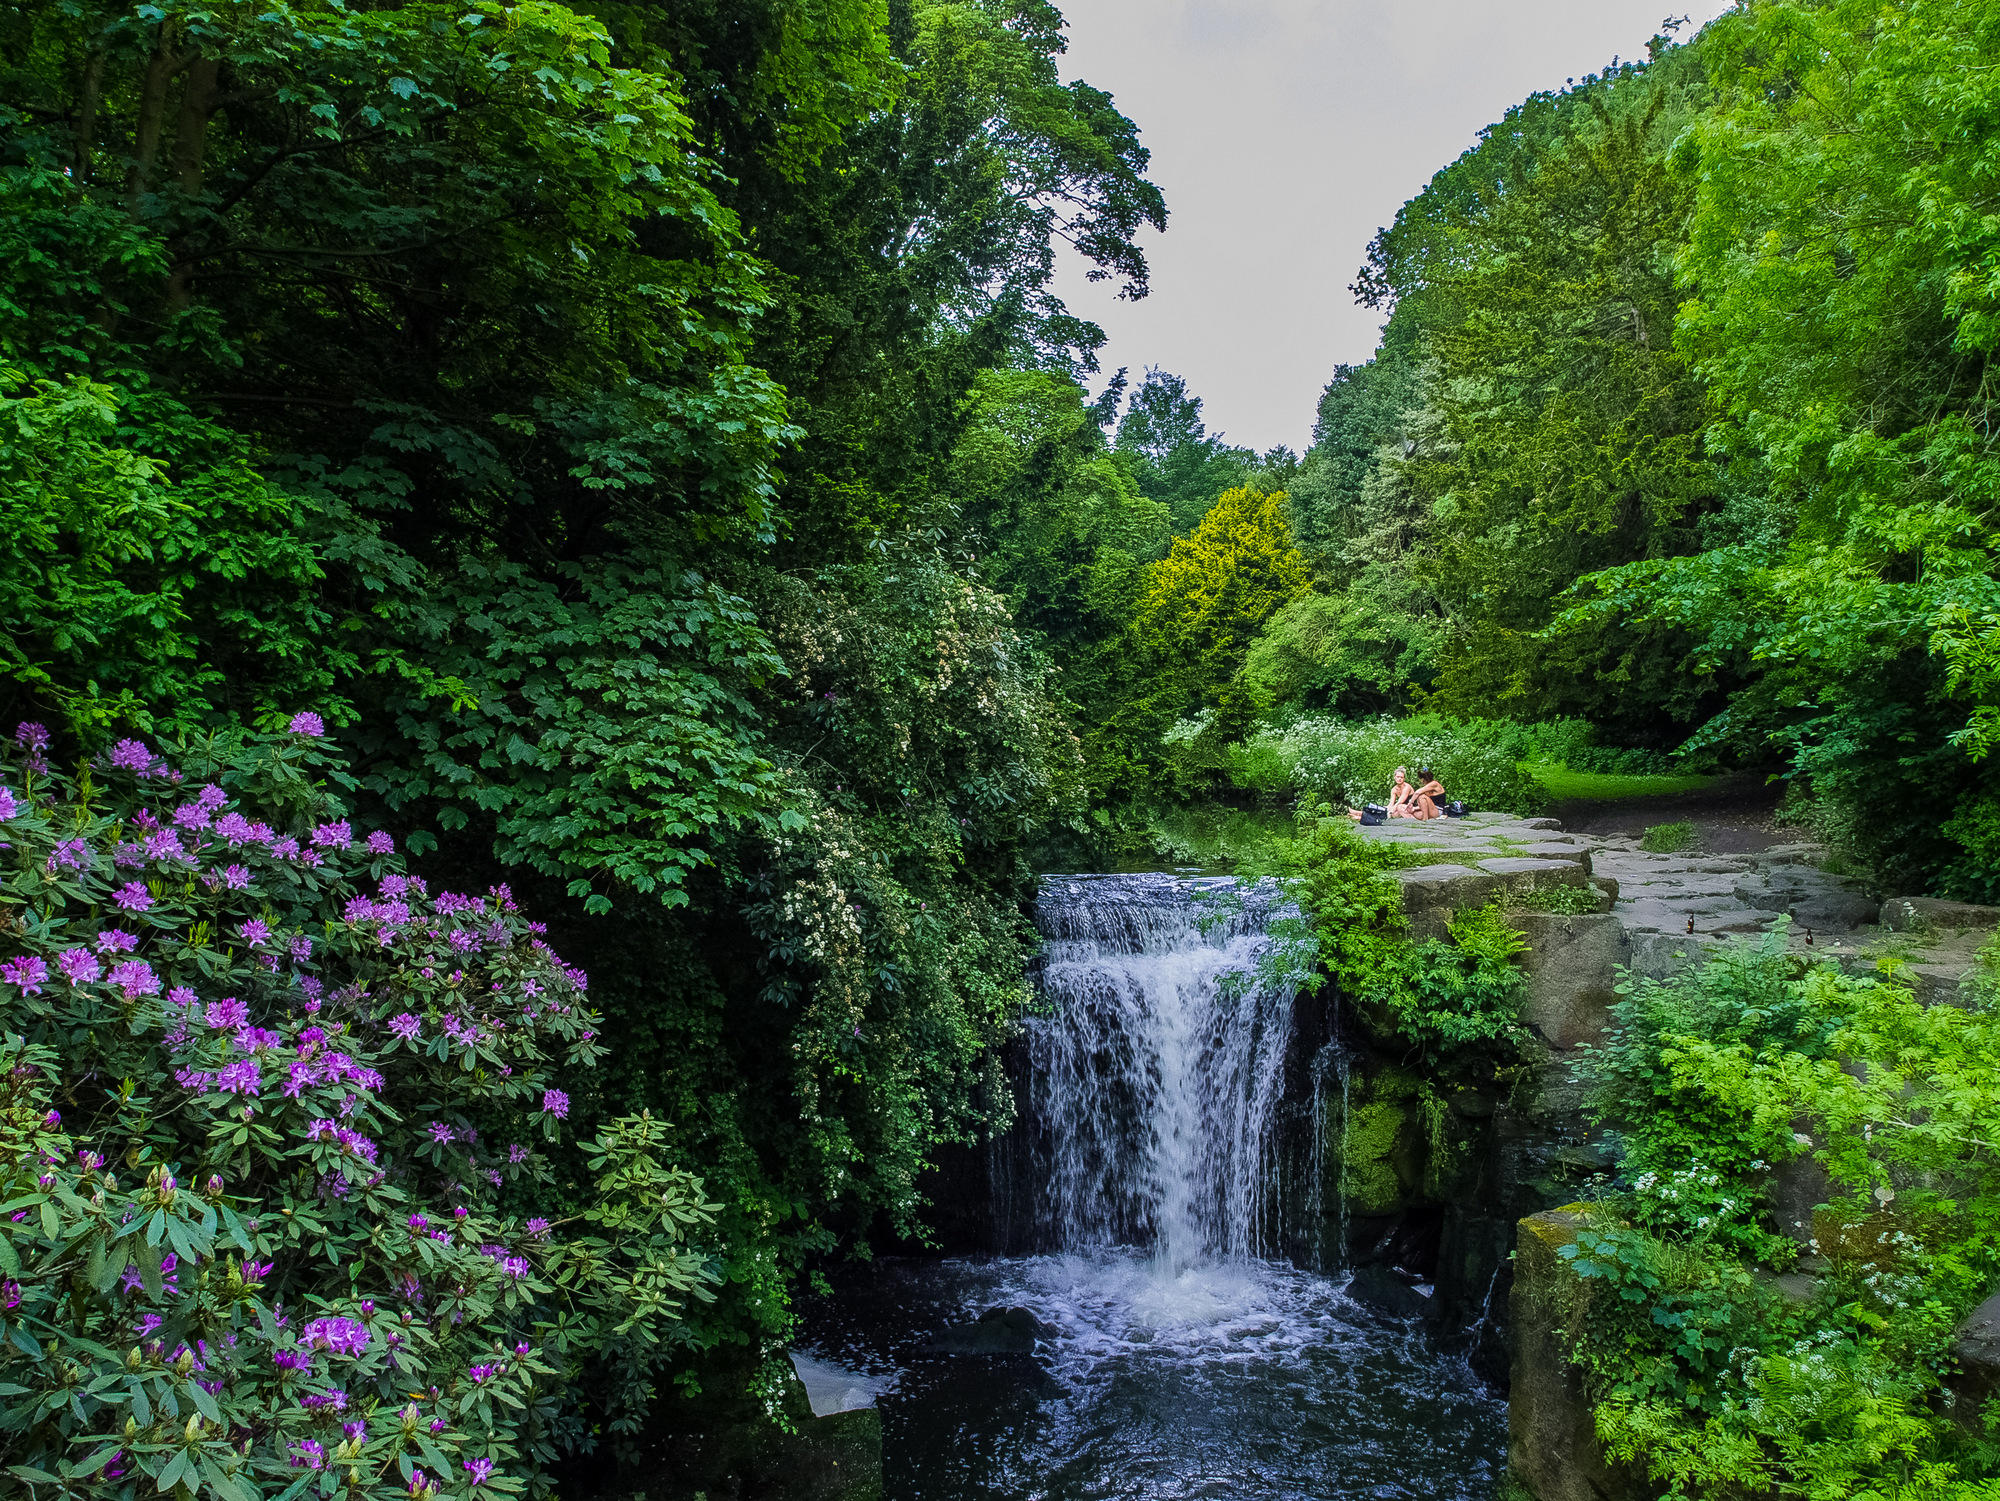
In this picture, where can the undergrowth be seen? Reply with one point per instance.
(1701, 1371)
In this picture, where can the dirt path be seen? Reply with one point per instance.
(1734, 815)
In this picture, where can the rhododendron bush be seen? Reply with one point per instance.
(278, 1217)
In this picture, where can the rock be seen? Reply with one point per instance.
(1929, 914)
(1379, 1288)
(1572, 964)
(1793, 1287)
(831, 1388)
(1552, 1442)
(998, 1331)
(1544, 850)
(1534, 872)
(1797, 1188)
(1975, 1349)
(1445, 886)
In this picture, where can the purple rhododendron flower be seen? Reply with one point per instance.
(256, 932)
(300, 948)
(234, 877)
(538, 1228)
(356, 1429)
(132, 897)
(71, 854)
(165, 846)
(135, 978)
(341, 1336)
(556, 1103)
(305, 722)
(440, 1133)
(517, 1153)
(116, 941)
(335, 835)
(28, 972)
(193, 816)
(227, 1014)
(480, 1469)
(240, 1077)
(291, 1360)
(308, 1454)
(132, 756)
(8, 806)
(194, 1080)
(481, 1374)
(380, 843)
(79, 966)
(333, 1397)
(405, 1026)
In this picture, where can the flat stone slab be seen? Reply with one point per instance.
(1531, 866)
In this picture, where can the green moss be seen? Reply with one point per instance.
(1376, 1151)
(1670, 838)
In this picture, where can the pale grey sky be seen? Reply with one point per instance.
(1283, 133)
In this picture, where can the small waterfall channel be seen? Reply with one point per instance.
(1156, 1075)
(1170, 1109)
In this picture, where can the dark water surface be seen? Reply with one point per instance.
(1245, 1380)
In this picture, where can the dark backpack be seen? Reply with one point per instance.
(1455, 810)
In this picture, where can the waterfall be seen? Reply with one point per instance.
(1155, 1073)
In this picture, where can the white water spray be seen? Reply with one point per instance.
(1157, 1074)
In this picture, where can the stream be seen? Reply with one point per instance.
(1181, 1357)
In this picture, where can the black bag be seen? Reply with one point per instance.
(1455, 810)
(1373, 820)
(1374, 808)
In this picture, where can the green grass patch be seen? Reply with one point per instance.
(1670, 838)
(1561, 783)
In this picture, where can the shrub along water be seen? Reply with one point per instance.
(275, 1137)
(1705, 1371)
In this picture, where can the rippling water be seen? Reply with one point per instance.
(1244, 1380)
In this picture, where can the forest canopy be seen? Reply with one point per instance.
(647, 441)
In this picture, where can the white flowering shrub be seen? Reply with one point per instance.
(276, 1214)
(1351, 762)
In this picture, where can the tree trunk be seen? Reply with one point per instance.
(89, 94)
(198, 102)
(152, 117)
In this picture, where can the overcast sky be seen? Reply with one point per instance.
(1283, 133)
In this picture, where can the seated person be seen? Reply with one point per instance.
(1428, 798)
(1402, 797)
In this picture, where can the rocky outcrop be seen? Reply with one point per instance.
(1552, 1443)
(1572, 964)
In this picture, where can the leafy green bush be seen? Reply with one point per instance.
(1446, 1001)
(1349, 764)
(1670, 838)
(1702, 1372)
(274, 1136)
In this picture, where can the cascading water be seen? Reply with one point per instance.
(1151, 1162)
(1158, 1070)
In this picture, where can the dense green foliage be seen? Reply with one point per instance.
(634, 432)
(1718, 1380)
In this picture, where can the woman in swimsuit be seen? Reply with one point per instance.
(1402, 799)
(1428, 799)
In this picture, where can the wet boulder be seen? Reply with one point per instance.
(1379, 1288)
(998, 1331)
